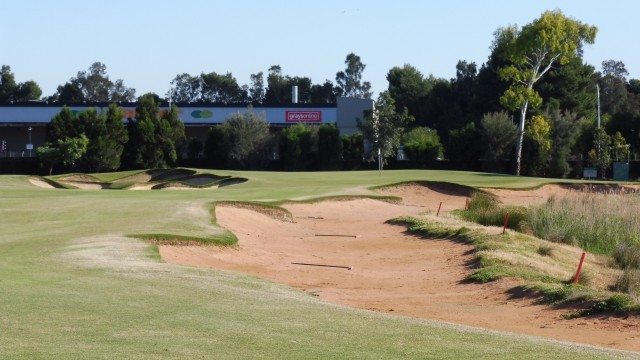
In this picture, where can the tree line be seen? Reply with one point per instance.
(531, 107)
(92, 141)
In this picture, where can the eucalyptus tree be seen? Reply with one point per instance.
(323, 93)
(11, 91)
(614, 94)
(93, 85)
(186, 88)
(223, 89)
(349, 82)
(278, 87)
(256, 89)
(533, 51)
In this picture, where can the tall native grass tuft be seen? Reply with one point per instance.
(484, 209)
(602, 224)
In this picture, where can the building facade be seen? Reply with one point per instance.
(23, 126)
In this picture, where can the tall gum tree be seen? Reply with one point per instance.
(553, 39)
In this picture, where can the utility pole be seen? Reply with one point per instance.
(598, 90)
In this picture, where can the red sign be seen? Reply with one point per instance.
(304, 116)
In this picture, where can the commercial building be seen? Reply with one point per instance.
(23, 126)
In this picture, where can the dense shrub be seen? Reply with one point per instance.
(329, 147)
(422, 146)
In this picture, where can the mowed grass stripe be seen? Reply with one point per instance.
(73, 286)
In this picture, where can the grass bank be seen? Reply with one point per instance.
(597, 223)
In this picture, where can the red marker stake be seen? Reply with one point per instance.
(577, 277)
(466, 204)
(506, 220)
(438, 214)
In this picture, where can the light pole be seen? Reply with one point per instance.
(170, 91)
(30, 145)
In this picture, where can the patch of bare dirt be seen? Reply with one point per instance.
(391, 271)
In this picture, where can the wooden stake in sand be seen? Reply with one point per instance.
(577, 277)
(323, 265)
(339, 235)
(506, 221)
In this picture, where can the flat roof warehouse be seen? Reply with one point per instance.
(25, 123)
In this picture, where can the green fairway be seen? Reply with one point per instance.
(74, 286)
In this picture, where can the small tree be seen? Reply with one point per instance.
(620, 147)
(422, 146)
(537, 145)
(600, 155)
(246, 139)
(66, 151)
(383, 127)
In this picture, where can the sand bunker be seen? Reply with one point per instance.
(391, 271)
(159, 179)
(40, 183)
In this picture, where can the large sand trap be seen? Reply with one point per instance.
(392, 272)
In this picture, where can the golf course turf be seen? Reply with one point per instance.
(73, 285)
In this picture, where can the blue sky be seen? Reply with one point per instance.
(147, 43)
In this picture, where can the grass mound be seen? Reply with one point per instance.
(484, 209)
(223, 238)
(547, 274)
(226, 239)
(437, 186)
(271, 210)
(602, 221)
